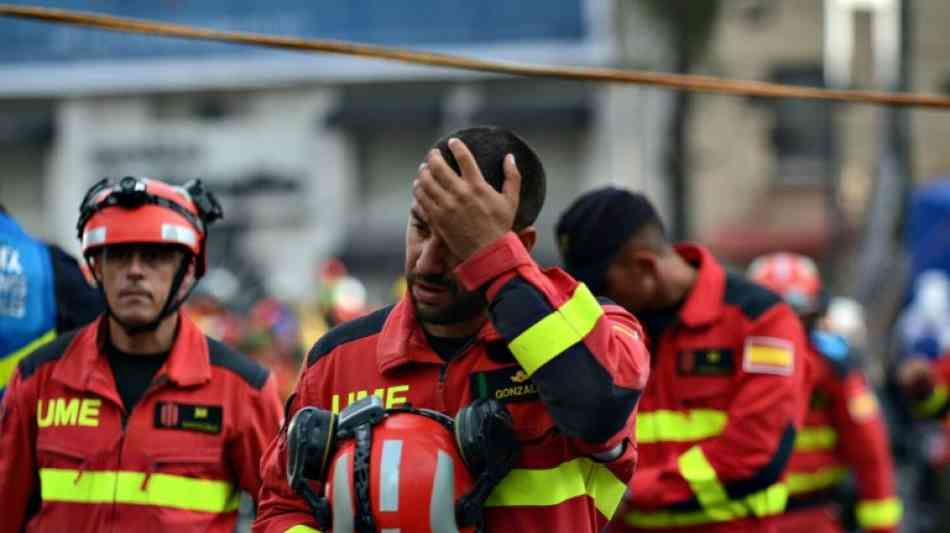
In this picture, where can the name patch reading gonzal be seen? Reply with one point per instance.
(509, 384)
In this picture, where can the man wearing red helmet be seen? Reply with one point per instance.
(719, 416)
(481, 321)
(136, 422)
(844, 429)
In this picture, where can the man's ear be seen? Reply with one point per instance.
(528, 236)
(645, 261)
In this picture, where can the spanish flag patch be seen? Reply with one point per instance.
(768, 355)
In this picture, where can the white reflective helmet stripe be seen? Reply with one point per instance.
(93, 236)
(342, 497)
(179, 234)
(389, 475)
(442, 504)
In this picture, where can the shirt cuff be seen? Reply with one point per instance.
(492, 261)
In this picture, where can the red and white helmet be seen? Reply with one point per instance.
(794, 277)
(144, 210)
(416, 476)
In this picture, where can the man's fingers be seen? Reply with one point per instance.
(424, 198)
(512, 186)
(443, 174)
(434, 187)
(467, 164)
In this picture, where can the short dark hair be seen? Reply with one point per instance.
(598, 224)
(490, 145)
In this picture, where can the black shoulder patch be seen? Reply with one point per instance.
(752, 298)
(47, 353)
(250, 370)
(347, 332)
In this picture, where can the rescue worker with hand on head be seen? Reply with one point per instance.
(719, 416)
(482, 321)
(138, 421)
(844, 429)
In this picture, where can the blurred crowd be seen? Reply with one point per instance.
(278, 333)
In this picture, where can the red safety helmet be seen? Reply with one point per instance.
(144, 210)
(794, 277)
(401, 469)
(415, 477)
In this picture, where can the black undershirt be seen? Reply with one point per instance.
(448, 347)
(656, 322)
(133, 373)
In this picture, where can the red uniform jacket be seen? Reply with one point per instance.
(586, 365)
(843, 430)
(937, 404)
(718, 419)
(74, 460)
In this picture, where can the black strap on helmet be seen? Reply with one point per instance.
(310, 444)
(485, 435)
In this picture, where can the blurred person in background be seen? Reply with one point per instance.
(725, 398)
(844, 430)
(846, 317)
(43, 293)
(138, 421)
(481, 320)
(271, 335)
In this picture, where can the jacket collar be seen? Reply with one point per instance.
(705, 298)
(402, 340)
(84, 365)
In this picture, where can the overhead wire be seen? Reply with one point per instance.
(685, 82)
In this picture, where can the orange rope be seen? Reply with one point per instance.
(672, 81)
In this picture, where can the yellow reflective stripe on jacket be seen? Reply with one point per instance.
(8, 363)
(302, 529)
(768, 502)
(879, 513)
(934, 403)
(558, 331)
(553, 486)
(676, 426)
(162, 490)
(814, 438)
(702, 478)
(799, 482)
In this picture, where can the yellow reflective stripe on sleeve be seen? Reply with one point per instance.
(768, 502)
(702, 478)
(558, 331)
(302, 529)
(816, 438)
(732, 510)
(934, 403)
(9, 362)
(879, 513)
(162, 490)
(675, 426)
(800, 482)
(553, 486)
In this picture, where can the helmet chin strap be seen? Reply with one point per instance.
(167, 310)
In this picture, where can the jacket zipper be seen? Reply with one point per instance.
(440, 388)
(124, 420)
(444, 370)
